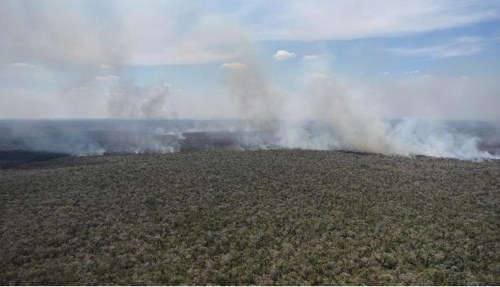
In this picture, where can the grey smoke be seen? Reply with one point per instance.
(342, 121)
(132, 102)
(256, 102)
(92, 54)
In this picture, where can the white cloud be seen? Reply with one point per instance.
(310, 57)
(22, 66)
(234, 66)
(319, 76)
(412, 72)
(100, 78)
(106, 78)
(282, 55)
(315, 20)
(384, 74)
(464, 46)
(105, 67)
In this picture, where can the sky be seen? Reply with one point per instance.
(189, 59)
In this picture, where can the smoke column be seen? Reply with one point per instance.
(91, 56)
(341, 121)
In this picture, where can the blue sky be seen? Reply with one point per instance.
(72, 59)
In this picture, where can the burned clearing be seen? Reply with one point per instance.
(250, 217)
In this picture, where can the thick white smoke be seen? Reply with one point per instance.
(132, 102)
(339, 121)
(88, 55)
(435, 139)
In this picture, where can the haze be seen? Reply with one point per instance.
(354, 65)
(77, 59)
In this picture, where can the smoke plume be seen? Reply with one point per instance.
(133, 102)
(85, 59)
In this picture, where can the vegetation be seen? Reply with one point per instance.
(260, 217)
(16, 158)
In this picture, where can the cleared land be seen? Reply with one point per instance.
(262, 217)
